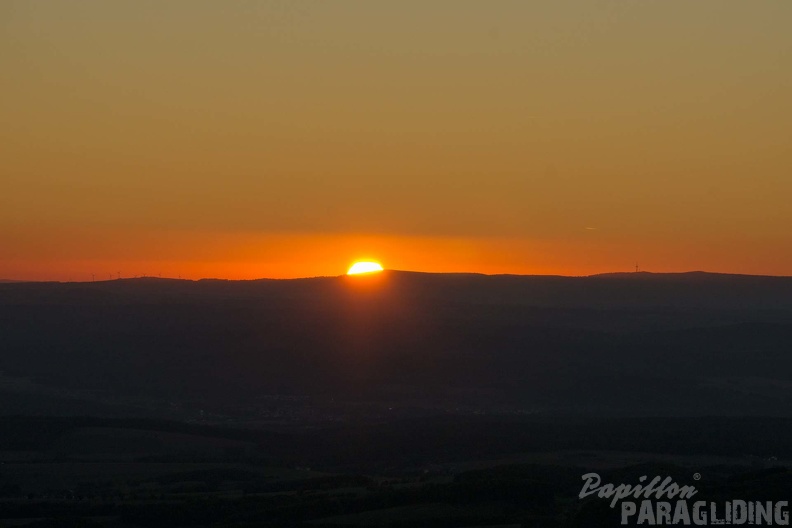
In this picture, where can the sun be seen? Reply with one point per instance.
(364, 267)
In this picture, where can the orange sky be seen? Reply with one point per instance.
(285, 139)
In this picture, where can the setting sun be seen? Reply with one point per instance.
(364, 267)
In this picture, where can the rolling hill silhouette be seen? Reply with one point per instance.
(622, 344)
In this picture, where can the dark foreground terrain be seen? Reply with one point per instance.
(398, 399)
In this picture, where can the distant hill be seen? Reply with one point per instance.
(680, 290)
(637, 344)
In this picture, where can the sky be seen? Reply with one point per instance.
(246, 139)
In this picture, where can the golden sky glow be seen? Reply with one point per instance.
(285, 138)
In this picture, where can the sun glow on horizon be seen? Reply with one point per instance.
(364, 267)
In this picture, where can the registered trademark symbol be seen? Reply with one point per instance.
(696, 476)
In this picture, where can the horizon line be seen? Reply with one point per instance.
(549, 275)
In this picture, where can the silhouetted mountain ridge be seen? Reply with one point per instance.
(646, 344)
